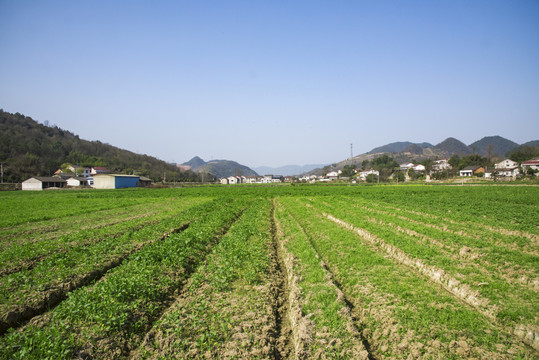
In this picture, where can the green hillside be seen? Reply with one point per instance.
(28, 148)
(493, 146)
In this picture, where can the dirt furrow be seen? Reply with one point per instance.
(303, 327)
(284, 309)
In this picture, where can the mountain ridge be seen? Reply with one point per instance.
(218, 168)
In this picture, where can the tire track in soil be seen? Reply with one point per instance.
(19, 317)
(357, 327)
(280, 290)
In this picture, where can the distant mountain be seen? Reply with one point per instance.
(396, 147)
(451, 146)
(414, 149)
(288, 170)
(493, 146)
(28, 148)
(195, 162)
(218, 168)
(531, 143)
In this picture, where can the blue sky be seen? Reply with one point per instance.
(273, 82)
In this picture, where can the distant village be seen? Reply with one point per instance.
(101, 178)
(80, 177)
(506, 169)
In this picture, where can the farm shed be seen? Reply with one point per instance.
(43, 182)
(144, 181)
(77, 181)
(115, 181)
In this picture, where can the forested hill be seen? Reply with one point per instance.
(28, 148)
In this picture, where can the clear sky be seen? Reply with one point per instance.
(273, 82)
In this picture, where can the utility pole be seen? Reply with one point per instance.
(351, 151)
(2, 167)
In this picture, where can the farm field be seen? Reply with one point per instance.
(282, 272)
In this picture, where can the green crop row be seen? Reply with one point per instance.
(21, 207)
(407, 315)
(62, 226)
(31, 291)
(323, 324)
(223, 312)
(19, 255)
(121, 306)
(520, 308)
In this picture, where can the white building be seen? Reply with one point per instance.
(506, 164)
(333, 175)
(509, 172)
(405, 166)
(115, 181)
(80, 171)
(43, 182)
(441, 165)
(99, 170)
(531, 164)
(363, 175)
(77, 181)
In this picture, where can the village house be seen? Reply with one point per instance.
(441, 165)
(43, 182)
(506, 164)
(80, 171)
(99, 170)
(531, 164)
(508, 172)
(363, 175)
(333, 175)
(472, 170)
(406, 166)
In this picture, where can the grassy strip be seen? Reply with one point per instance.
(225, 309)
(30, 292)
(406, 314)
(471, 227)
(107, 319)
(322, 323)
(511, 207)
(23, 207)
(65, 225)
(481, 288)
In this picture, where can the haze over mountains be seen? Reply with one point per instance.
(28, 148)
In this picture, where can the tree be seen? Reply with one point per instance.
(371, 178)
(348, 170)
(365, 164)
(399, 176)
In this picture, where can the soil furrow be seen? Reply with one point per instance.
(53, 297)
(311, 335)
(281, 306)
